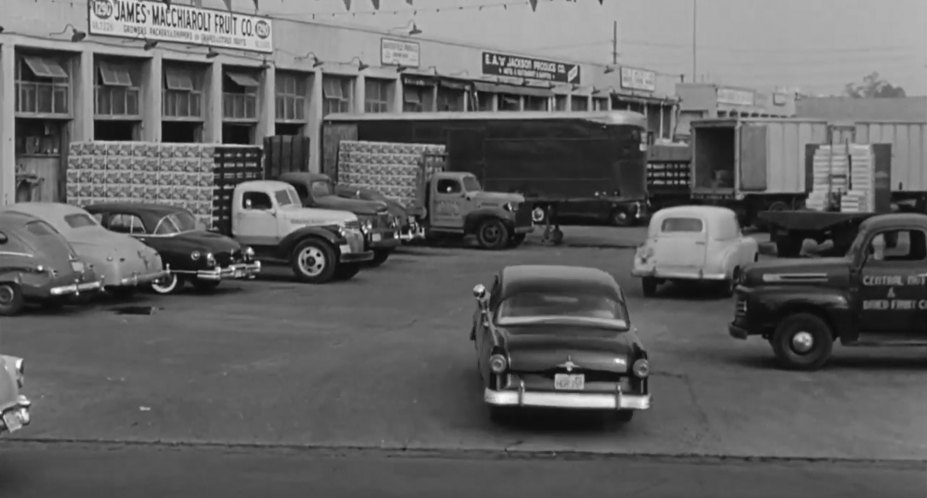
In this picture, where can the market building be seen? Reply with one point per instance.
(906, 109)
(154, 71)
(709, 100)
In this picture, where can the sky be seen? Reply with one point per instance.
(817, 46)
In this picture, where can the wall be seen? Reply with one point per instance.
(908, 109)
(710, 100)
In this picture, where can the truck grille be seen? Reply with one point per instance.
(740, 307)
(352, 225)
(523, 215)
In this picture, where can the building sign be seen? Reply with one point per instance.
(638, 79)
(513, 66)
(779, 99)
(158, 21)
(891, 302)
(732, 96)
(399, 53)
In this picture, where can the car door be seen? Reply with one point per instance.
(448, 199)
(257, 220)
(892, 283)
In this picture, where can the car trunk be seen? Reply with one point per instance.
(680, 251)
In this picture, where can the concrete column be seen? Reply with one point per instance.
(267, 106)
(398, 99)
(495, 101)
(568, 106)
(360, 94)
(82, 75)
(152, 107)
(212, 104)
(662, 118)
(314, 119)
(7, 125)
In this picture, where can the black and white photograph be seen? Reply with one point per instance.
(463, 248)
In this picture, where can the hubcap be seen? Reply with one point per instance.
(490, 233)
(537, 215)
(802, 342)
(311, 261)
(6, 295)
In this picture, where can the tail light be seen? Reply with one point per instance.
(498, 363)
(641, 368)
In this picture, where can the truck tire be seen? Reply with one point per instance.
(11, 299)
(649, 286)
(347, 271)
(802, 341)
(492, 234)
(620, 218)
(314, 261)
(380, 256)
(517, 239)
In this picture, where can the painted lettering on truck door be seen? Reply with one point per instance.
(893, 290)
(448, 198)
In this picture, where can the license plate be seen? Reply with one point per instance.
(376, 237)
(239, 273)
(346, 249)
(569, 382)
(77, 266)
(12, 422)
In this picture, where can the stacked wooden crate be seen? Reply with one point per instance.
(393, 169)
(846, 171)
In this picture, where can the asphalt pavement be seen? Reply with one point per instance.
(383, 363)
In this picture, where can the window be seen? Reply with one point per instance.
(239, 96)
(291, 97)
(484, 101)
(257, 201)
(552, 305)
(448, 187)
(117, 91)
(600, 104)
(471, 184)
(182, 94)
(321, 189)
(176, 223)
(416, 99)
(40, 228)
(509, 103)
(42, 86)
(898, 245)
(80, 220)
(98, 217)
(670, 225)
(126, 223)
(336, 94)
(376, 95)
(579, 103)
(287, 197)
(536, 103)
(452, 95)
(560, 103)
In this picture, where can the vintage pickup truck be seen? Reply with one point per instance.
(876, 295)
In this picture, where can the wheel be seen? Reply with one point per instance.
(556, 236)
(517, 239)
(492, 234)
(205, 285)
(649, 286)
(539, 215)
(167, 285)
(379, 257)
(624, 416)
(802, 341)
(11, 299)
(728, 286)
(313, 261)
(620, 218)
(346, 271)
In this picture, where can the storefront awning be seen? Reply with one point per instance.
(45, 67)
(243, 79)
(455, 84)
(414, 80)
(512, 89)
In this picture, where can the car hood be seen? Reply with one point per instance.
(798, 271)
(541, 348)
(201, 240)
(304, 217)
(497, 199)
(356, 206)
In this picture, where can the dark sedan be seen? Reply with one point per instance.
(197, 256)
(558, 337)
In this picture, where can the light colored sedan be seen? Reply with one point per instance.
(124, 262)
(694, 243)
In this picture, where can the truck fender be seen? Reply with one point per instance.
(326, 233)
(836, 308)
(475, 217)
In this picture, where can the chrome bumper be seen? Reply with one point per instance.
(17, 416)
(575, 400)
(414, 232)
(234, 271)
(141, 279)
(66, 290)
(678, 275)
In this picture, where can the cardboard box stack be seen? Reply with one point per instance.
(392, 169)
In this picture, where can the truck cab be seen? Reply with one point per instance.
(876, 295)
(381, 229)
(457, 204)
(319, 244)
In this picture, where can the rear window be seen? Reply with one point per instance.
(79, 220)
(40, 228)
(692, 225)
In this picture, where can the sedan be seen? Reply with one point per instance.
(558, 337)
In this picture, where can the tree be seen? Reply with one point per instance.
(873, 87)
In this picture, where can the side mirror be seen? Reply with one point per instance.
(479, 291)
(3, 238)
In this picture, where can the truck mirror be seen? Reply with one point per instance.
(3, 238)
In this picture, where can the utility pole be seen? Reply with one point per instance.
(615, 43)
(694, 39)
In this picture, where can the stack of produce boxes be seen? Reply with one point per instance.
(392, 169)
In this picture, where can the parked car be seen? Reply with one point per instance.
(14, 406)
(38, 264)
(694, 243)
(124, 262)
(558, 337)
(409, 226)
(197, 256)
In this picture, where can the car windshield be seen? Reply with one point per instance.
(80, 220)
(176, 223)
(550, 307)
(287, 197)
(471, 184)
(321, 189)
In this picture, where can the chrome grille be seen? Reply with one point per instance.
(352, 225)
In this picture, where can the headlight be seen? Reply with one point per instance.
(20, 367)
(249, 252)
(342, 232)
(210, 259)
(497, 363)
(508, 206)
(641, 368)
(196, 255)
(40, 269)
(367, 226)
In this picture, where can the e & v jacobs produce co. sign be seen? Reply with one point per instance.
(513, 66)
(158, 21)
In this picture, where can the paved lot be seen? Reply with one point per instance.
(384, 361)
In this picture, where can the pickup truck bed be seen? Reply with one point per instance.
(788, 229)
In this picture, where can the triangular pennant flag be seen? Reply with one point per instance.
(347, 4)
(534, 5)
(228, 4)
(376, 4)
(409, 2)
(168, 2)
(257, 4)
